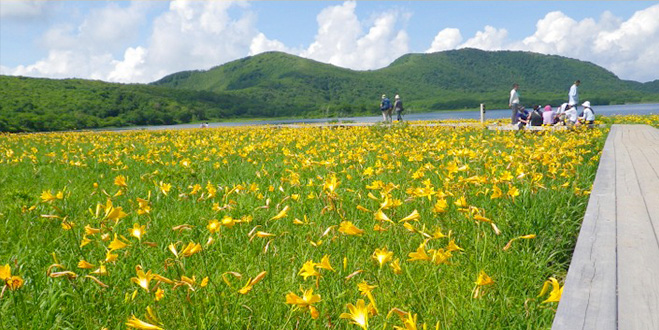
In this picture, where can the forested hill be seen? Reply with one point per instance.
(278, 84)
(444, 80)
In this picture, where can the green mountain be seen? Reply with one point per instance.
(278, 84)
(445, 80)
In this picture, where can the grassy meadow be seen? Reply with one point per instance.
(309, 228)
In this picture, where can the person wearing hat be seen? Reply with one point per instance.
(385, 107)
(398, 107)
(588, 115)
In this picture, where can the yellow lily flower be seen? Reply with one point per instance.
(357, 314)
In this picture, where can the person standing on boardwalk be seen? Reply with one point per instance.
(513, 103)
(398, 107)
(385, 107)
(573, 96)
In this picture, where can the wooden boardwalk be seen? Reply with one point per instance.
(613, 279)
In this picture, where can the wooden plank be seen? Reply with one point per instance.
(589, 296)
(637, 246)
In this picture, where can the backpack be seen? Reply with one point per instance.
(399, 105)
(386, 104)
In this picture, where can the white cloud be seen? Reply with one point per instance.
(131, 68)
(489, 39)
(261, 44)
(202, 34)
(630, 48)
(446, 39)
(22, 9)
(341, 41)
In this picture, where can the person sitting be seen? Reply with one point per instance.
(559, 117)
(588, 115)
(571, 118)
(548, 116)
(535, 118)
(522, 118)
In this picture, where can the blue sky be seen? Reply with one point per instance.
(141, 41)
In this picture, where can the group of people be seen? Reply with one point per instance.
(566, 114)
(387, 108)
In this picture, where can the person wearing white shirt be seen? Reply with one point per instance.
(588, 114)
(571, 116)
(513, 103)
(573, 96)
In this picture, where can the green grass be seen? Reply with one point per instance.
(557, 168)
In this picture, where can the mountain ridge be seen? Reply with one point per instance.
(276, 84)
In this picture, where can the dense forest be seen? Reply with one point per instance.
(281, 85)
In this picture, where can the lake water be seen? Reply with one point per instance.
(605, 110)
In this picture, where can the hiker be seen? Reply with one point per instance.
(573, 96)
(385, 107)
(398, 107)
(588, 115)
(513, 103)
(548, 116)
(535, 118)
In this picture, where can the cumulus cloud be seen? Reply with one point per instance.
(489, 39)
(261, 44)
(193, 35)
(628, 48)
(21, 9)
(189, 35)
(341, 40)
(446, 39)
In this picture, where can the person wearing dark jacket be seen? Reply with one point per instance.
(398, 107)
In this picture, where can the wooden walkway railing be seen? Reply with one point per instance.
(613, 279)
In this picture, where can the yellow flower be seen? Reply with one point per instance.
(142, 279)
(305, 302)
(110, 257)
(439, 256)
(136, 323)
(348, 228)
(191, 249)
(496, 192)
(452, 246)
(251, 282)
(120, 181)
(85, 265)
(308, 269)
(440, 206)
(165, 187)
(461, 202)
(419, 254)
(382, 256)
(380, 216)
(513, 192)
(117, 244)
(160, 293)
(91, 231)
(365, 288)
(414, 216)
(281, 214)
(144, 207)
(484, 279)
(556, 291)
(395, 266)
(358, 314)
(12, 282)
(137, 231)
(325, 263)
(213, 226)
